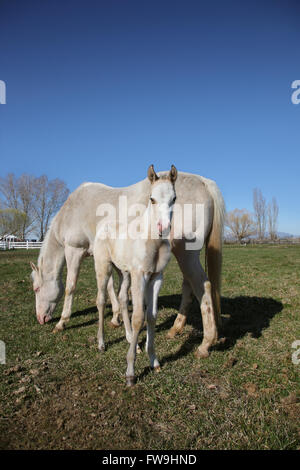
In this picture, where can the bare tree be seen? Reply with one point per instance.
(260, 212)
(36, 198)
(25, 188)
(11, 222)
(48, 197)
(18, 195)
(273, 211)
(9, 190)
(241, 224)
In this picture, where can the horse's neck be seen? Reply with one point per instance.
(157, 250)
(52, 257)
(146, 224)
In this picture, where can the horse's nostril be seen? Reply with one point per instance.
(163, 228)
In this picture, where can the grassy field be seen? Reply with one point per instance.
(59, 392)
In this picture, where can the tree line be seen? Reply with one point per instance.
(28, 203)
(262, 223)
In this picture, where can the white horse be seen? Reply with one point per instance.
(73, 230)
(144, 257)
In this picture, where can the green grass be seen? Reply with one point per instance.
(59, 392)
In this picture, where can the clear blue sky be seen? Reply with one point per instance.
(98, 90)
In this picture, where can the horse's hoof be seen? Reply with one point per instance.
(101, 348)
(57, 330)
(114, 325)
(130, 381)
(221, 341)
(157, 369)
(138, 349)
(201, 353)
(171, 334)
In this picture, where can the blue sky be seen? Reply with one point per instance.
(98, 90)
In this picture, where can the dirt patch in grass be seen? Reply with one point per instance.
(81, 410)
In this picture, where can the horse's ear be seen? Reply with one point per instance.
(33, 266)
(152, 175)
(173, 174)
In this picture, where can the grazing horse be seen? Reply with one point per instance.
(72, 233)
(143, 256)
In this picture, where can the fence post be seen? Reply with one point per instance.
(27, 244)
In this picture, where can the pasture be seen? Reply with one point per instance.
(58, 392)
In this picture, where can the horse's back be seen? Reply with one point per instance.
(75, 224)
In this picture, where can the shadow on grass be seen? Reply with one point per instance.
(241, 316)
(247, 315)
(84, 312)
(92, 321)
(80, 313)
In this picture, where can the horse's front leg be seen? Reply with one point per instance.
(74, 257)
(152, 292)
(137, 321)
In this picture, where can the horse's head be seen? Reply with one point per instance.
(47, 293)
(162, 200)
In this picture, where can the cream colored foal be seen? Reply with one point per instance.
(141, 258)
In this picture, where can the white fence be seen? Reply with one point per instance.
(25, 245)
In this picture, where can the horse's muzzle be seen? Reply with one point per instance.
(42, 319)
(163, 230)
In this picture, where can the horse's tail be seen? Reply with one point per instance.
(214, 242)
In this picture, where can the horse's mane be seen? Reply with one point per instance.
(46, 241)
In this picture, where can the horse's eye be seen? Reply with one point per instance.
(36, 289)
(174, 199)
(152, 200)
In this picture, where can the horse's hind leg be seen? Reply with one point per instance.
(198, 280)
(193, 272)
(74, 257)
(102, 279)
(186, 300)
(123, 300)
(115, 321)
(210, 334)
